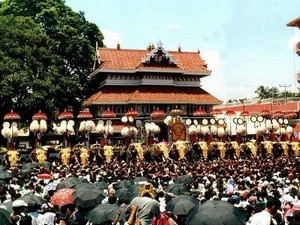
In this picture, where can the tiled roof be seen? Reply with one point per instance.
(130, 59)
(258, 107)
(151, 94)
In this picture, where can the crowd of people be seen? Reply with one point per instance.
(265, 188)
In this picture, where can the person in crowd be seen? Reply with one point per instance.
(266, 216)
(148, 207)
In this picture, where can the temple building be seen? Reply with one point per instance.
(140, 86)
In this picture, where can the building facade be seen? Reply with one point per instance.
(150, 84)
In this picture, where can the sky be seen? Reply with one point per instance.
(246, 43)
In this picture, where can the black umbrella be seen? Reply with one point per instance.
(182, 204)
(2, 167)
(102, 213)
(124, 184)
(176, 189)
(88, 198)
(124, 194)
(182, 207)
(184, 179)
(216, 212)
(5, 175)
(45, 164)
(69, 182)
(86, 186)
(2, 181)
(101, 184)
(4, 217)
(30, 165)
(32, 200)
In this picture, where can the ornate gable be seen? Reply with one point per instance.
(159, 56)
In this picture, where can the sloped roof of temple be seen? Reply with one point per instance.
(151, 94)
(134, 60)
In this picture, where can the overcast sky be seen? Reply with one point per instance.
(246, 43)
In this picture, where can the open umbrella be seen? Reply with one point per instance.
(124, 184)
(86, 186)
(135, 189)
(5, 217)
(30, 165)
(101, 184)
(180, 207)
(176, 189)
(102, 213)
(69, 182)
(62, 197)
(124, 194)
(32, 200)
(184, 179)
(88, 198)
(45, 164)
(44, 176)
(5, 175)
(216, 212)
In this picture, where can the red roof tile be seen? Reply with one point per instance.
(151, 94)
(130, 59)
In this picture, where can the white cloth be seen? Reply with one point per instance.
(261, 218)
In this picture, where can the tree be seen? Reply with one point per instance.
(47, 52)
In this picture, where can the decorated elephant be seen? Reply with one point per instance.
(84, 155)
(41, 155)
(65, 154)
(108, 152)
(295, 147)
(204, 148)
(13, 157)
(153, 152)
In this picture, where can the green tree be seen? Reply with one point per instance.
(47, 51)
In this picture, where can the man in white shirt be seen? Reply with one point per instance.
(265, 217)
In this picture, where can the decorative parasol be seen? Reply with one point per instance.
(39, 116)
(158, 114)
(132, 113)
(265, 112)
(176, 112)
(215, 112)
(108, 113)
(200, 112)
(230, 113)
(245, 113)
(85, 114)
(12, 116)
(65, 115)
(291, 115)
(278, 114)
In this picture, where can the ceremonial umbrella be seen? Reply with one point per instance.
(132, 112)
(176, 189)
(184, 179)
(200, 112)
(215, 112)
(5, 217)
(62, 197)
(245, 113)
(216, 212)
(102, 213)
(32, 200)
(265, 112)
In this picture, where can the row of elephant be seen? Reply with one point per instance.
(179, 150)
